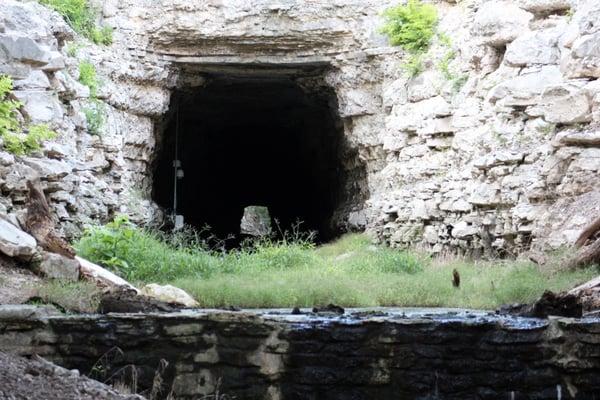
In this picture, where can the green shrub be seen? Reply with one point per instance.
(73, 48)
(81, 16)
(414, 65)
(88, 77)
(410, 26)
(8, 107)
(26, 143)
(444, 64)
(94, 111)
(140, 255)
(457, 80)
(14, 139)
(94, 116)
(102, 36)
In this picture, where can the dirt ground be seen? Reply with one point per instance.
(16, 283)
(38, 379)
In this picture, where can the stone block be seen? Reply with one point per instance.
(56, 266)
(14, 242)
(24, 49)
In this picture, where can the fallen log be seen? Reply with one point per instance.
(561, 304)
(102, 276)
(126, 300)
(588, 233)
(589, 285)
(589, 295)
(586, 256)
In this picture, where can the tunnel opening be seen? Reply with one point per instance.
(267, 139)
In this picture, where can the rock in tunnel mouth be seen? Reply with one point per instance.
(262, 139)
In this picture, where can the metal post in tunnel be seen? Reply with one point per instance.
(178, 174)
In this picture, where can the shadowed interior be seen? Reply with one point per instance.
(253, 141)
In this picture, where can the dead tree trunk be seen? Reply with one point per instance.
(588, 233)
(40, 225)
(589, 246)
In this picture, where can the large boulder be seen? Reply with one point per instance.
(40, 106)
(24, 49)
(14, 242)
(525, 89)
(563, 104)
(584, 59)
(534, 48)
(500, 22)
(544, 6)
(169, 294)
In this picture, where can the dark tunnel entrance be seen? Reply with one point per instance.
(253, 140)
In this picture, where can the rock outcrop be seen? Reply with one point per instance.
(487, 155)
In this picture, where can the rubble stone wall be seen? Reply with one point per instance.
(496, 153)
(216, 354)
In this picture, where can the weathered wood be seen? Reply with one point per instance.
(126, 300)
(589, 295)
(102, 276)
(40, 225)
(593, 284)
(585, 256)
(588, 232)
(561, 304)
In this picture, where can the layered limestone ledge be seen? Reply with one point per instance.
(384, 354)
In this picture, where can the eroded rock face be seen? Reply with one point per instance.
(472, 161)
(383, 355)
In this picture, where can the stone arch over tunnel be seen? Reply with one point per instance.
(255, 136)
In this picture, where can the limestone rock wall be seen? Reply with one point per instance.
(493, 154)
(253, 356)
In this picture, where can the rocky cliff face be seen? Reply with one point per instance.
(495, 151)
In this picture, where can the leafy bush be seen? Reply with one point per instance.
(73, 48)
(414, 65)
(88, 77)
(94, 116)
(457, 80)
(141, 255)
(8, 107)
(15, 140)
(103, 35)
(22, 143)
(94, 111)
(81, 16)
(411, 26)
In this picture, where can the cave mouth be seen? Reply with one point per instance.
(262, 139)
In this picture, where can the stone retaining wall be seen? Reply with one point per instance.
(397, 355)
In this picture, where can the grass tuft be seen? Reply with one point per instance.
(351, 272)
(73, 296)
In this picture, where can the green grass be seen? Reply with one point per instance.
(350, 272)
(73, 296)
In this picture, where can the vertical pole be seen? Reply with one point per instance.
(176, 163)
